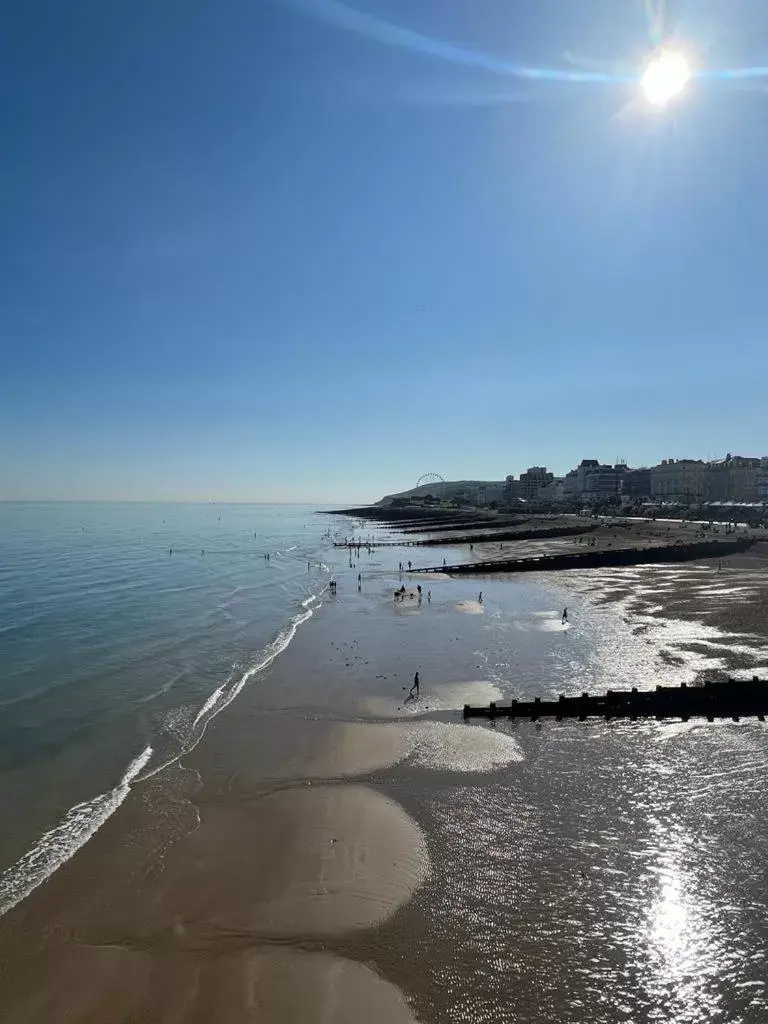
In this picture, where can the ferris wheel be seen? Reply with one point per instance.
(434, 479)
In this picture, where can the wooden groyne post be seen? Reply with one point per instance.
(732, 698)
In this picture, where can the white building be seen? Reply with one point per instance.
(679, 480)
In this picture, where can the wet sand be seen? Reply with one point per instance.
(334, 851)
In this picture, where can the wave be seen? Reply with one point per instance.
(81, 822)
(209, 703)
(223, 695)
(56, 846)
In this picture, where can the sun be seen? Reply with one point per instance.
(665, 76)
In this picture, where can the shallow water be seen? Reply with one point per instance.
(575, 871)
(123, 629)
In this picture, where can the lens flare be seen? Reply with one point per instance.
(666, 76)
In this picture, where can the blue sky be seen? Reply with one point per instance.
(258, 250)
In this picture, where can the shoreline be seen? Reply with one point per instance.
(323, 817)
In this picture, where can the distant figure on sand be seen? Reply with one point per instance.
(443, 561)
(480, 597)
(359, 581)
(565, 617)
(409, 565)
(429, 595)
(415, 685)
(170, 551)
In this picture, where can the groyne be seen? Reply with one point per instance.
(598, 559)
(732, 698)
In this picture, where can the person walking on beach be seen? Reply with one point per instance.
(480, 598)
(565, 617)
(399, 566)
(415, 685)
(429, 595)
(409, 565)
(359, 581)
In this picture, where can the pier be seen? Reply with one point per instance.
(732, 698)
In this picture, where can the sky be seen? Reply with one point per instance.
(292, 250)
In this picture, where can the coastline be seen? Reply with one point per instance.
(327, 831)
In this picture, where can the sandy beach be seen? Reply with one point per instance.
(334, 851)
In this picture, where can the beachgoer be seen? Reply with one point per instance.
(409, 565)
(443, 561)
(399, 566)
(170, 551)
(565, 617)
(415, 685)
(480, 598)
(429, 595)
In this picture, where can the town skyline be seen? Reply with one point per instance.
(735, 478)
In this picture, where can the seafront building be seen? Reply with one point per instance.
(679, 480)
(736, 479)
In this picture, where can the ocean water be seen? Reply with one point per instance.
(124, 628)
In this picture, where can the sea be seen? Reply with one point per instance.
(616, 870)
(124, 629)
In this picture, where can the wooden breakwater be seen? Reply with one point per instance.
(732, 698)
(472, 524)
(475, 538)
(599, 559)
(412, 514)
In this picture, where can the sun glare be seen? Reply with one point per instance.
(665, 76)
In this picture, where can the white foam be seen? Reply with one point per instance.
(209, 704)
(223, 695)
(56, 846)
(59, 844)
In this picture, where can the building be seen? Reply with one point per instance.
(574, 484)
(733, 478)
(511, 489)
(601, 483)
(534, 478)
(762, 481)
(636, 484)
(682, 481)
(553, 491)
